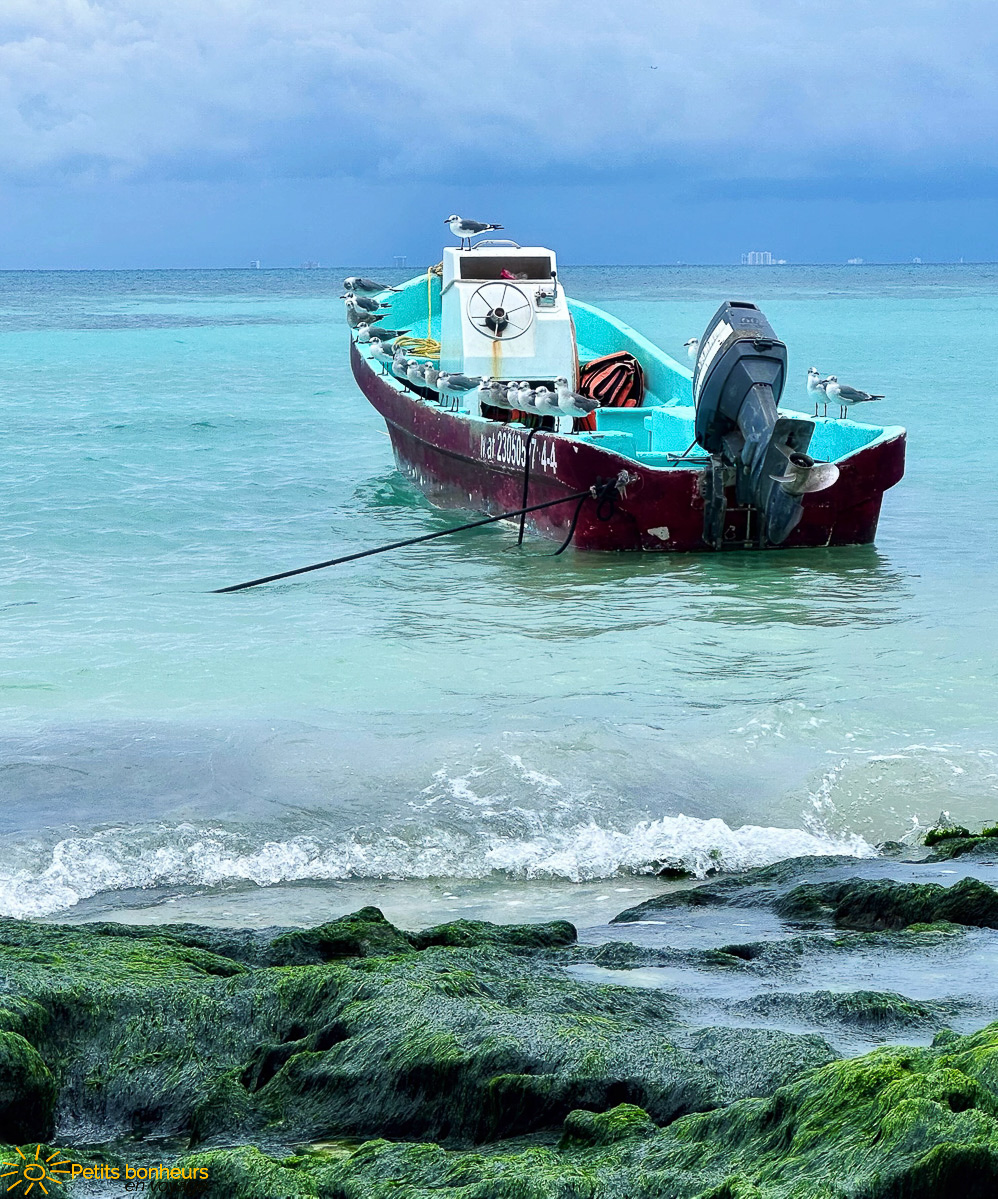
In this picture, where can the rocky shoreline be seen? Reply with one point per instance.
(822, 1028)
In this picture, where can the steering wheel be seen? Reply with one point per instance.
(500, 310)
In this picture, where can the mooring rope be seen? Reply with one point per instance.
(604, 493)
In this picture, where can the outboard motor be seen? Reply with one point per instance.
(740, 371)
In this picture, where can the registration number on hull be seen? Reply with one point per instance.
(505, 447)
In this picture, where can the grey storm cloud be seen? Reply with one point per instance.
(771, 89)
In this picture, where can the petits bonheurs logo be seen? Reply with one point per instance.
(21, 1177)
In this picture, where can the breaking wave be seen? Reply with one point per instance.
(121, 859)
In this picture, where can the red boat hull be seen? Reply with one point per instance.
(478, 465)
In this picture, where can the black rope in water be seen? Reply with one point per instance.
(526, 485)
(582, 496)
(604, 494)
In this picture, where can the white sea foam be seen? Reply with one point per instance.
(112, 860)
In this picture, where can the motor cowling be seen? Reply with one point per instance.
(740, 373)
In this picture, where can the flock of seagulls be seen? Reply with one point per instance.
(517, 396)
(831, 390)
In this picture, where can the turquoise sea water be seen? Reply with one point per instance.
(464, 711)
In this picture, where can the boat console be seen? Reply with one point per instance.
(504, 314)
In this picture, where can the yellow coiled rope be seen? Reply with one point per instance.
(425, 347)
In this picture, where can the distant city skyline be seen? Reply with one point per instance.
(145, 133)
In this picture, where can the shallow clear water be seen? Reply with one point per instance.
(452, 711)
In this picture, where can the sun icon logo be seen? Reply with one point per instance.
(34, 1172)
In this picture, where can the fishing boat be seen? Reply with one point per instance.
(689, 461)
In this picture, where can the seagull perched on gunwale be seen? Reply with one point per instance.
(378, 330)
(816, 388)
(466, 230)
(365, 287)
(364, 303)
(845, 396)
(356, 317)
(382, 354)
(570, 402)
(692, 348)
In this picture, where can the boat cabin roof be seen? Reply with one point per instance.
(488, 260)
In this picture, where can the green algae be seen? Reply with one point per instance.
(894, 1124)
(874, 906)
(27, 1092)
(945, 833)
(482, 1069)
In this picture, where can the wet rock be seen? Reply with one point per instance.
(984, 847)
(554, 935)
(893, 1124)
(363, 934)
(874, 906)
(760, 887)
(947, 832)
(625, 1122)
(27, 1092)
(464, 1032)
(872, 1011)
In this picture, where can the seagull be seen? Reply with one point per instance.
(366, 287)
(381, 354)
(364, 303)
(845, 396)
(430, 375)
(692, 348)
(570, 402)
(816, 388)
(456, 385)
(400, 365)
(500, 394)
(414, 373)
(546, 402)
(380, 331)
(357, 317)
(466, 230)
(524, 397)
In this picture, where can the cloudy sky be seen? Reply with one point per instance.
(210, 132)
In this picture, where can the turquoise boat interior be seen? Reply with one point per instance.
(659, 434)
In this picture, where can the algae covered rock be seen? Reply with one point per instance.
(27, 1092)
(874, 906)
(466, 1032)
(479, 932)
(364, 934)
(622, 1123)
(894, 1124)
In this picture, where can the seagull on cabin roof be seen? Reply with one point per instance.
(366, 287)
(466, 230)
(845, 396)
